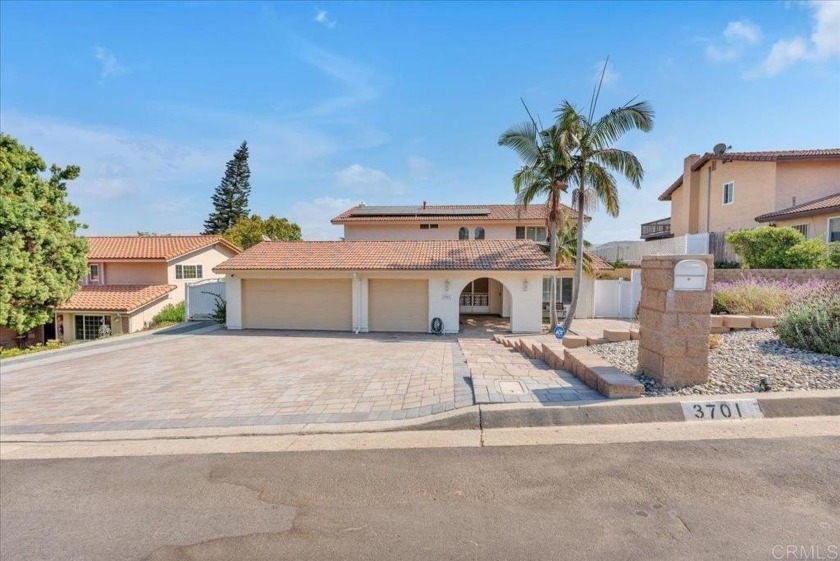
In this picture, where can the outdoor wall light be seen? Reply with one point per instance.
(525, 285)
(446, 286)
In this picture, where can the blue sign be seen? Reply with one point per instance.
(559, 331)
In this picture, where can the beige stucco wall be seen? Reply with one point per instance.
(817, 225)
(760, 187)
(134, 273)
(754, 194)
(444, 231)
(207, 258)
(806, 181)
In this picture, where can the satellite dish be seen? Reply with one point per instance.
(719, 149)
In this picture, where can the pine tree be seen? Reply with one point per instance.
(230, 201)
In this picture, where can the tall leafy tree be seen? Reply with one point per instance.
(250, 231)
(41, 258)
(544, 175)
(567, 247)
(595, 160)
(230, 200)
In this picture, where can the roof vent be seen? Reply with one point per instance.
(362, 204)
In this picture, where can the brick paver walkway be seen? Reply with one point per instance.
(502, 375)
(237, 378)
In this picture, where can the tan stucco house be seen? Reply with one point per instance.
(399, 268)
(130, 278)
(735, 190)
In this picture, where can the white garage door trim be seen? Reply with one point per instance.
(398, 305)
(304, 304)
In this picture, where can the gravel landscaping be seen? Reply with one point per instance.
(738, 365)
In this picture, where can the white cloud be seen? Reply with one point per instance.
(314, 217)
(364, 180)
(109, 63)
(323, 18)
(737, 36)
(419, 167)
(610, 75)
(743, 30)
(824, 43)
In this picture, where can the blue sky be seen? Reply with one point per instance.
(392, 102)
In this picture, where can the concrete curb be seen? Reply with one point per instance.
(653, 410)
(466, 418)
(646, 410)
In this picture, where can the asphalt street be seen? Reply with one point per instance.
(706, 499)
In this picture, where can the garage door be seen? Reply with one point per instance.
(399, 305)
(297, 304)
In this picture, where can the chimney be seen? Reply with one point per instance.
(793, 201)
(424, 205)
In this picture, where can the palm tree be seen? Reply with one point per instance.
(567, 247)
(594, 160)
(545, 170)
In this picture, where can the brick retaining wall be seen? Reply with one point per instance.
(777, 274)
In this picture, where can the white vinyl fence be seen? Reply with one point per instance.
(618, 298)
(632, 252)
(201, 301)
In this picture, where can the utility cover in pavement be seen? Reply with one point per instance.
(510, 387)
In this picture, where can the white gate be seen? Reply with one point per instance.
(201, 298)
(617, 298)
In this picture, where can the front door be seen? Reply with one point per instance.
(475, 298)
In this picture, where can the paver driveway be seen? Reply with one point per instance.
(237, 378)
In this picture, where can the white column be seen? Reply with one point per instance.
(233, 293)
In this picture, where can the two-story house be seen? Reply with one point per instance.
(406, 268)
(130, 278)
(724, 191)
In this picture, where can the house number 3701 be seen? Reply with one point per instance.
(721, 410)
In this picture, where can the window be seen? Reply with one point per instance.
(93, 273)
(188, 271)
(802, 229)
(833, 233)
(479, 233)
(728, 193)
(533, 233)
(463, 233)
(428, 226)
(92, 327)
(564, 290)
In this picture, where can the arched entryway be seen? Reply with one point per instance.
(485, 305)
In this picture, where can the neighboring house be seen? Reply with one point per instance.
(399, 268)
(130, 278)
(734, 190)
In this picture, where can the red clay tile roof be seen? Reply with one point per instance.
(819, 206)
(769, 156)
(159, 248)
(460, 255)
(598, 264)
(446, 213)
(115, 297)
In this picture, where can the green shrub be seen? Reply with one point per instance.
(757, 296)
(833, 256)
(814, 323)
(219, 314)
(51, 344)
(764, 248)
(810, 254)
(727, 265)
(171, 313)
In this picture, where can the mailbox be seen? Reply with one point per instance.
(690, 274)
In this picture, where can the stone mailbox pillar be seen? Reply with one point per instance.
(674, 319)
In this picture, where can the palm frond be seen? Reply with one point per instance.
(623, 162)
(603, 185)
(523, 139)
(615, 124)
